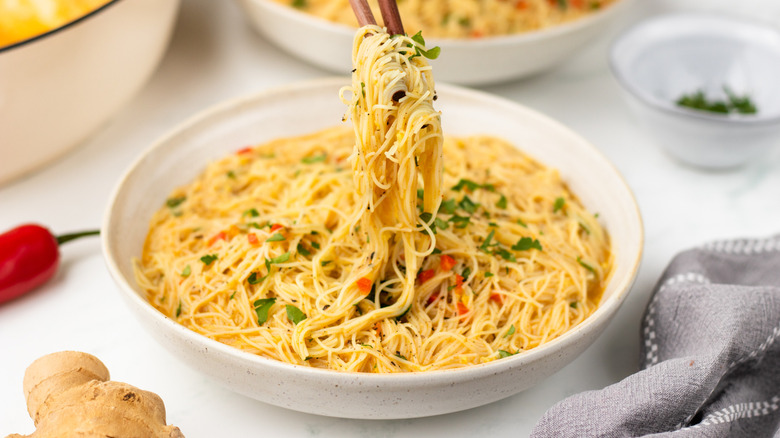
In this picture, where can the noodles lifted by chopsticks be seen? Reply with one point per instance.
(403, 264)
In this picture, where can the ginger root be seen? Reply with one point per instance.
(69, 395)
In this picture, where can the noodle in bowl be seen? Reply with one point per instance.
(181, 156)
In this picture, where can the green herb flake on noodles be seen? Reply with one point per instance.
(294, 314)
(527, 243)
(175, 202)
(208, 259)
(262, 306)
(559, 203)
(276, 238)
(315, 158)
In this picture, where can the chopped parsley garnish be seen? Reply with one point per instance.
(510, 332)
(186, 272)
(465, 22)
(325, 262)
(262, 306)
(448, 206)
(562, 4)
(506, 255)
(573, 305)
(501, 202)
(432, 53)
(441, 224)
(400, 356)
(468, 205)
(521, 223)
(584, 228)
(460, 221)
(276, 238)
(559, 203)
(420, 193)
(294, 314)
(280, 259)
(302, 250)
(253, 278)
(526, 243)
(178, 309)
(733, 104)
(488, 274)
(315, 245)
(315, 158)
(487, 243)
(363, 88)
(208, 259)
(251, 212)
(503, 353)
(585, 265)
(465, 274)
(231, 174)
(175, 202)
(467, 183)
(299, 4)
(471, 186)
(740, 104)
(233, 295)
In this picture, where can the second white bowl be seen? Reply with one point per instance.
(464, 61)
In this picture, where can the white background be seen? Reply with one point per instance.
(214, 56)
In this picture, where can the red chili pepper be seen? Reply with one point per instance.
(29, 256)
(497, 298)
(275, 227)
(245, 150)
(426, 275)
(365, 284)
(252, 238)
(221, 235)
(446, 263)
(462, 309)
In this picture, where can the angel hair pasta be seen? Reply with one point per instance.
(385, 248)
(464, 18)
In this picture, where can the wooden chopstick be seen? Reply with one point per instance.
(362, 12)
(390, 15)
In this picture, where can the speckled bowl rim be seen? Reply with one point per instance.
(666, 107)
(500, 40)
(87, 16)
(427, 378)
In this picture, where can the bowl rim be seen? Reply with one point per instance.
(497, 40)
(636, 30)
(56, 30)
(605, 309)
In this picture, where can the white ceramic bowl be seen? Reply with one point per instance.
(298, 109)
(465, 61)
(58, 88)
(663, 58)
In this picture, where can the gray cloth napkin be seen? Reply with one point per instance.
(710, 354)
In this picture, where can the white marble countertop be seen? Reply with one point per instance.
(215, 56)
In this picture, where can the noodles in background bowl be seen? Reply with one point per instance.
(464, 18)
(434, 253)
